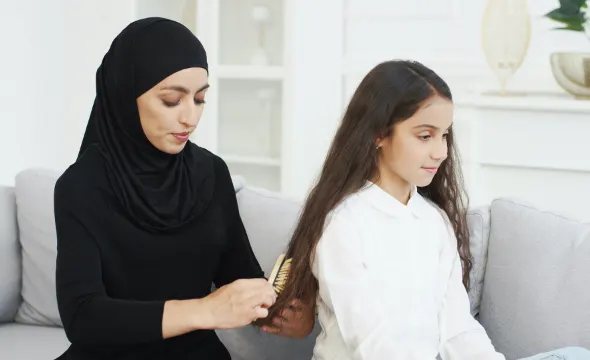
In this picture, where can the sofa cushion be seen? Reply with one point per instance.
(28, 342)
(10, 259)
(34, 199)
(536, 292)
(478, 221)
(269, 219)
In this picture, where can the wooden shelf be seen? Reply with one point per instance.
(252, 160)
(248, 72)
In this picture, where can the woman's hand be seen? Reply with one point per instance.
(238, 304)
(296, 321)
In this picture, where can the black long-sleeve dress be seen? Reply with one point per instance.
(113, 276)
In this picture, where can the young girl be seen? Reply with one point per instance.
(382, 243)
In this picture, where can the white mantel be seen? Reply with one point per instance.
(534, 147)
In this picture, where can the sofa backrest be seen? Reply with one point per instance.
(536, 294)
(36, 227)
(478, 222)
(10, 256)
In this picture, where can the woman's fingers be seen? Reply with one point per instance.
(260, 312)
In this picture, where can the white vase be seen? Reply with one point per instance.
(506, 35)
(572, 72)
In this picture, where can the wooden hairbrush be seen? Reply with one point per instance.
(278, 279)
(280, 273)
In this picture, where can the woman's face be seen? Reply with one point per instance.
(170, 111)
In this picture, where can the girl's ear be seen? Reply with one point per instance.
(380, 142)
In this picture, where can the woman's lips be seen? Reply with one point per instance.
(182, 137)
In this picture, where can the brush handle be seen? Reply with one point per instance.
(276, 269)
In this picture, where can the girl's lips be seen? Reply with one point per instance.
(431, 170)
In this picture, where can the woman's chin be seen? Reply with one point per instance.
(171, 148)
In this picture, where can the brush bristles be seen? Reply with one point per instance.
(282, 276)
(280, 273)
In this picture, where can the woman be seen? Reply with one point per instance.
(147, 221)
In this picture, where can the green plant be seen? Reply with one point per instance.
(572, 14)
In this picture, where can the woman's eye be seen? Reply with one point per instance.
(175, 103)
(171, 103)
(424, 137)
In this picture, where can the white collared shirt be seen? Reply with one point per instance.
(390, 284)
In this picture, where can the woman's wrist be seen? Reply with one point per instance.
(183, 316)
(200, 315)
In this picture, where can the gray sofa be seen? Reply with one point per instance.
(531, 275)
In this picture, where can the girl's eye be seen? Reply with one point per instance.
(199, 101)
(424, 137)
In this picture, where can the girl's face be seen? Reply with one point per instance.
(170, 111)
(417, 147)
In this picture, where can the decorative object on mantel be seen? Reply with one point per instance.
(571, 70)
(572, 73)
(506, 35)
(260, 15)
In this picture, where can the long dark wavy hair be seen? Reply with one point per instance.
(390, 93)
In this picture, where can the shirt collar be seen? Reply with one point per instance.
(388, 204)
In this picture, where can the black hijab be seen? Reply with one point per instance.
(159, 191)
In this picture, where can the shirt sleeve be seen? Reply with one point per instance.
(238, 261)
(369, 330)
(462, 337)
(88, 314)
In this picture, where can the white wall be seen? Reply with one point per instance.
(51, 50)
(29, 84)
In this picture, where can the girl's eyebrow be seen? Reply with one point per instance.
(428, 126)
